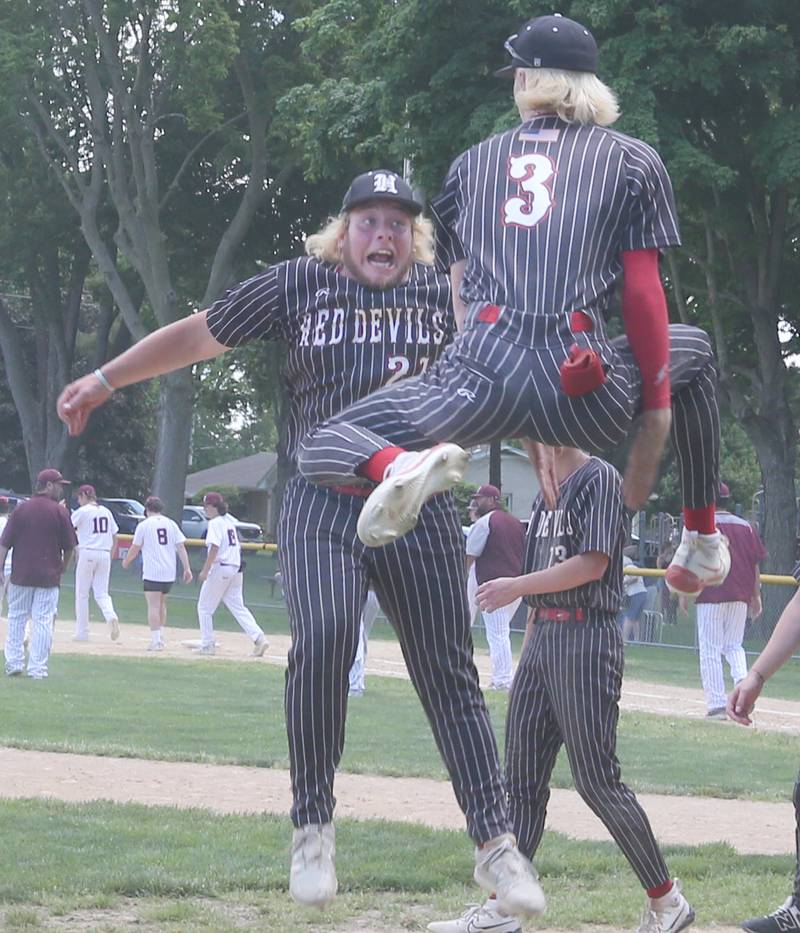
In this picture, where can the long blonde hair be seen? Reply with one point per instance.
(576, 96)
(325, 243)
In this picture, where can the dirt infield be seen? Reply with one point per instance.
(748, 826)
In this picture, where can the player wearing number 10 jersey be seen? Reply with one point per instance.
(95, 527)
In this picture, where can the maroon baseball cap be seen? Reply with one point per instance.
(50, 475)
(724, 491)
(213, 499)
(87, 490)
(489, 491)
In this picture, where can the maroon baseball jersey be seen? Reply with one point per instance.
(747, 552)
(39, 531)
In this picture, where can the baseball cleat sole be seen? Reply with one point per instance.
(114, 623)
(392, 509)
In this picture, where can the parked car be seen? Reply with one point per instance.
(194, 524)
(127, 513)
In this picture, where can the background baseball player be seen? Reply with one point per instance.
(160, 542)
(222, 578)
(495, 548)
(635, 597)
(722, 611)
(567, 686)
(537, 225)
(783, 643)
(357, 676)
(356, 313)
(7, 564)
(43, 539)
(96, 529)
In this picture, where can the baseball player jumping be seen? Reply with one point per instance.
(96, 530)
(537, 226)
(364, 308)
(222, 579)
(567, 687)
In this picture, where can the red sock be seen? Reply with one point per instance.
(660, 890)
(374, 468)
(701, 520)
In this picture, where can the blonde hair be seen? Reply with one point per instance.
(576, 96)
(325, 243)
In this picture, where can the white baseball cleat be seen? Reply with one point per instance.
(478, 918)
(500, 868)
(260, 645)
(392, 509)
(114, 623)
(667, 914)
(205, 649)
(312, 879)
(700, 561)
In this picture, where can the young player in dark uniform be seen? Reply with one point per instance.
(567, 687)
(782, 644)
(537, 226)
(356, 313)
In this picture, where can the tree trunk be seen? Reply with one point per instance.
(495, 464)
(174, 433)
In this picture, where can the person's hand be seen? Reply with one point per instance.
(743, 698)
(542, 457)
(202, 576)
(756, 607)
(496, 593)
(78, 400)
(187, 576)
(683, 604)
(644, 458)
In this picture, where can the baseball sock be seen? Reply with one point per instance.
(701, 520)
(660, 890)
(374, 468)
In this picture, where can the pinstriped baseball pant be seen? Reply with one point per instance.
(421, 586)
(493, 382)
(720, 633)
(566, 691)
(39, 603)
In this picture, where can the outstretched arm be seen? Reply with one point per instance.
(782, 643)
(644, 313)
(172, 347)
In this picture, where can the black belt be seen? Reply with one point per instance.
(560, 615)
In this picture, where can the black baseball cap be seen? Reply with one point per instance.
(381, 185)
(551, 42)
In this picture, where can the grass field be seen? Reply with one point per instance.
(163, 869)
(229, 713)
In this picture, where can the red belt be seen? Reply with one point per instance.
(560, 615)
(362, 491)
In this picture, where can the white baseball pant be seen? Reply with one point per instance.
(472, 597)
(39, 604)
(368, 615)
(498, 635)
(720, 631)
(92, 573)
(224, 583)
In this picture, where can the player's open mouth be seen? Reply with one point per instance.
(382, 258)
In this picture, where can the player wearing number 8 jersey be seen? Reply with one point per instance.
(537, 226)
(160, 542)
(95, 527)
(222, 578)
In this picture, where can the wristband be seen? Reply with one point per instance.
(760, 676)
(98, 374)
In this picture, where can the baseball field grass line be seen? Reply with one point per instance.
(166, 869)
(232, 713)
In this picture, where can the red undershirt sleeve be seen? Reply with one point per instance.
(646, 320)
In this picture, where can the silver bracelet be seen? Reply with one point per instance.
(98, 373)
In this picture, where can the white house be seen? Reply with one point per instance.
(519, 484)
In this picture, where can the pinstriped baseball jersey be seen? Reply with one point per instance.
(158, 537)
(222, 532)
(588, 518)
(345, 340)
(95, 526)
(542, 212)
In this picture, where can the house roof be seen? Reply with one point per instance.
(247, 473)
